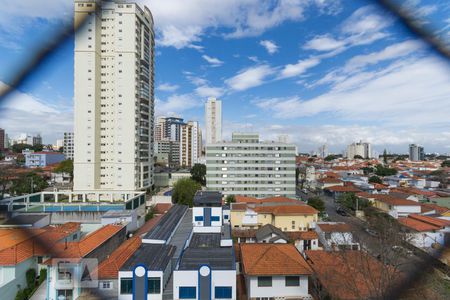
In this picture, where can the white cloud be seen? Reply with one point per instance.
(324, 43)
(300, 67)
(366, 20)
(411, 93)
(215, 62)
(208, 91)
(250, 77)
(391, 52)
(270, 46)
(21, 112)
(176, 104)
(167, 87)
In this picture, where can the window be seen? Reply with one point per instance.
(106, 285)
(215, 218)
(264, 281)
(65, 294)
(126, 286)
(223, 292)
(198, 218)
(154, 285)
(187, 292)
(292, 281)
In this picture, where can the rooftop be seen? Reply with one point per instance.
(167, 224)
(272, 259)
(334, 227)
(286, 210)
(394, 200)
(208, 198)
(153, 256)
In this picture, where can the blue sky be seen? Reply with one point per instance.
(321, 71)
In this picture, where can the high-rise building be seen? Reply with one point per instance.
(190, 144)
(168, 128)
(213, 120)
(68, 145)
(37, 140)
(361, 149)
(114, 99)
(246, 166)
(171, 149)
(2, 139)
(416, 152)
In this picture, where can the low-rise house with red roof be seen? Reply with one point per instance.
(424, 231)
(22, 249)
(328, 182)
(336, 191)
(396, 207)
(71, 264)
(274, 271)
(335, 236)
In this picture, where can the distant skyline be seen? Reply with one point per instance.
(323, 72)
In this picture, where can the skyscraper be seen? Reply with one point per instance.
(361, 149)
(416, 152)
(213, 120)
(68, 145)
(114, 100)
(2, 139)
(190, 144)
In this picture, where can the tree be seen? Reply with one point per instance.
(230, 199)
(6, 176)
(445, 163)
(317, 203)
(381, 170)
(18, 148)
(38, 147)
(352, 202)
(66, 166)
(357, 156)
(150, 214)
(330, 157)
(28, 183)
(385, 160)
(198, 173)
(184, 190)
(375, 179)
(367, 170)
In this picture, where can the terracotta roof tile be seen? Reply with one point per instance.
(334, 227)
(287, 210)
(109, 268)
(162, 208)
(302, 235)
(395, 200)
(273, 259)
(343, 189)
(148, 225)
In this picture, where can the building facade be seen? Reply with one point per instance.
(213, 120)
(416, 152)
(362, 149)
(169, 148)
(68, 145)
(246, 166)
(190, 144)
(42, 159)
(2, 139)
(114, 98)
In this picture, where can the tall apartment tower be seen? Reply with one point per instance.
(213, 121)
(68, 145)
(2, 139)
(190, 144)
(416, 152)
(361, 149)
(114, 100)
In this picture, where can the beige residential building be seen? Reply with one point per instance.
(213, 120)
(114, 100)
(190, 144)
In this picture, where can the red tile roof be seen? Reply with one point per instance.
(329, 180)
(302, 235)
(435, 207)
(245, 199)
(395, 201)
(273, 259)
(18, 244)
(334, 227)
(343, 189)
(109, 268)
(162, 208)
(414, 191)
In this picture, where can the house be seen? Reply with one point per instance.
(293, 216)
(304, 240)
(271, 234)
(349, 275)
(335, 236)
(69, 269)
(424, 231)
(396, 207)
(276, 271)
(398, 180)
(42, 159)
(22, 249)
(206, 267)
(328, 182)
(336, 191)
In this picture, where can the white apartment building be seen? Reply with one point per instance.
(213, 120)
(68, 145)
(246, 166)
(362, 149)
(416, 152)
(190, 143)
(114, 100)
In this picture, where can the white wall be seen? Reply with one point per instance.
(404, 211)
(129, 274)
(278, 288)
(215, 211)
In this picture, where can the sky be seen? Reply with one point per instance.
(320, 71)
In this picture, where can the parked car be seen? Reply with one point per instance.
(371, 232)
(402, 250)
(341, 211)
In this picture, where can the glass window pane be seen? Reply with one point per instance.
(187, 292)
(292, 281)
(126, 286)
(154, 285)
(223, 292)
(264, 281)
